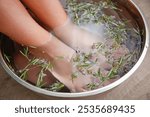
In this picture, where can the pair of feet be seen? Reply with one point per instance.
(69, 38)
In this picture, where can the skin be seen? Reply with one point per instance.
(15, 22)
(53, 15)
(50, 12)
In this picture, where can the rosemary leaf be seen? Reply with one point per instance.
(23, 74)
(41, 76)
(74, 75)
(7, 58)
(92, 86)
(56, 86)
(25, 52)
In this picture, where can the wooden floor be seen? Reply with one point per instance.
(136, 87)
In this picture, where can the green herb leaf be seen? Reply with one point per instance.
(56, 86)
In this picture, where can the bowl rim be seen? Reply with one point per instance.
(87, 93)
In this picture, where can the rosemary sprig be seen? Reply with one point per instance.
(99, 75)
(56, 86)
(92, 86)
(47, 66)
(37, 63)
(114, 71)
(41, 75)
(25, 53)
(137, 31)
(74, 75)
(97, 45)
(24, 74)
(7, 58)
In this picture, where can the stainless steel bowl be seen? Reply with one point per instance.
(139, 17)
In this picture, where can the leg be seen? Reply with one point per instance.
(51, 13)
(16, 23)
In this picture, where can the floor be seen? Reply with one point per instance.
(136, 87)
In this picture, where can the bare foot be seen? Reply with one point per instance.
(60, 55)
(76, 37)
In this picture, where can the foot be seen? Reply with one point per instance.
(76, 37)
(60, 55)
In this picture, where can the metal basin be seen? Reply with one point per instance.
(136, 13)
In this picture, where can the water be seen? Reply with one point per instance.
(131, 36)
(113, 23)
